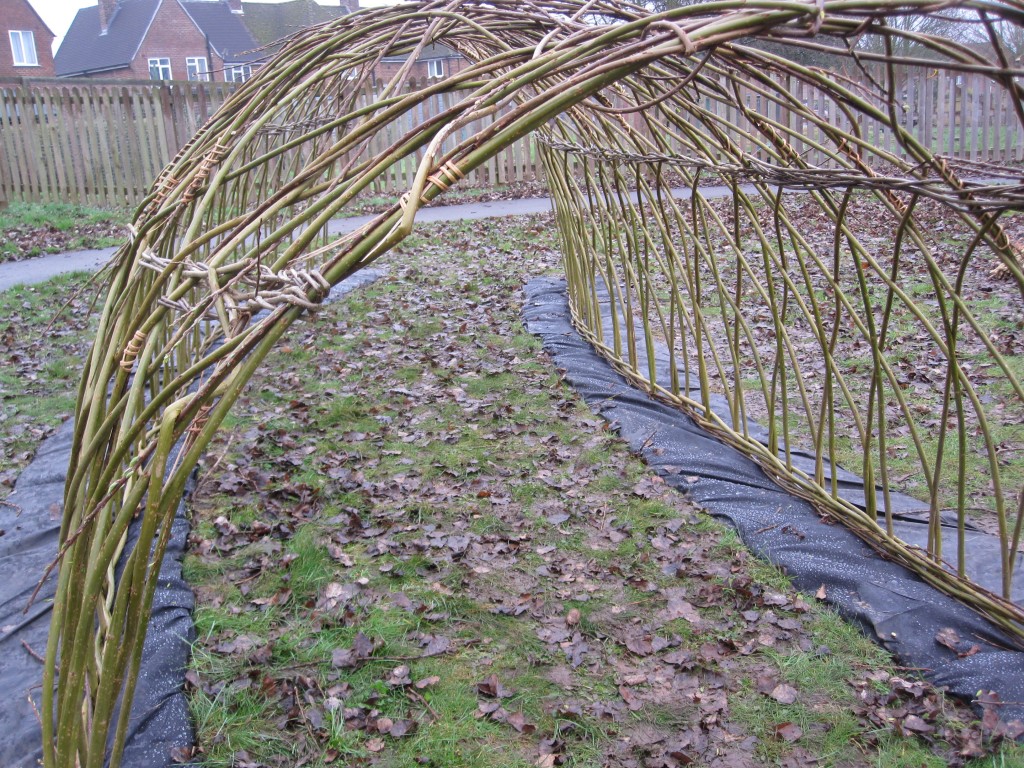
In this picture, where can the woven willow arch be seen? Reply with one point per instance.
(233, 244)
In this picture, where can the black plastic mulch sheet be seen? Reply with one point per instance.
(29, 530)
(889, 602)
(30, 520)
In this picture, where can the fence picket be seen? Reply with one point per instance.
(90, 146)
(53, 138)
(10, 169)
(72, 124)
(42, 147)
(104, 142)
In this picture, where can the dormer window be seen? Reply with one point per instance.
(23, 48)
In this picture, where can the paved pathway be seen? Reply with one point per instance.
(42, 268)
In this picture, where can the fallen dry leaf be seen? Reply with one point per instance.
(433, 645)
(788, 732)
(493, 688)
(399, 676)
(948, 637)
(784, 694)
(401, 728)
(426, 682)
(518, 721)
(362, 648)
(916, 724)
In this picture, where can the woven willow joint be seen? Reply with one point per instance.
(191, 269)
(179, 306)
(305, 288)
(452, 174)
(210, 159)
(163, 187)
(131, 352)
(301, 278)
(199, 422)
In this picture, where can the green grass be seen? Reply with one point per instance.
(487, 434)
(58, 227)
(43, 347)
(494, 444)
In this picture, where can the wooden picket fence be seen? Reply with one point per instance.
(104, 142)
(963, 116)
(95, 142)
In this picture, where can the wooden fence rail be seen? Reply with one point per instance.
(104, 142)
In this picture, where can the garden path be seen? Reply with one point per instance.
(43, 268)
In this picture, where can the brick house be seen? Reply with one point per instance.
(205, 40)
(159, 40)
(269, 22)
(26, 49)
(435, 61)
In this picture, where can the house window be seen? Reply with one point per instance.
(23, 46)
(197, 68)
(159, 69)
(239, 73)
(435, 67)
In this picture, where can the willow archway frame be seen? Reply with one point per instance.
(233, 245)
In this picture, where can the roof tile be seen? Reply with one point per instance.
(269, 22)
(225, 30)
(84, 49)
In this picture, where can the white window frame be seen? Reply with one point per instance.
(162, 64)
(23, 55)
(435, 68)
(238, 73)
(197, 68)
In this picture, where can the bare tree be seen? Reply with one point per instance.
(913, 36)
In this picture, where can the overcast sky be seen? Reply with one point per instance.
(58, 14)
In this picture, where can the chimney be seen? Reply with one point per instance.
(107, 10)
(236, 6)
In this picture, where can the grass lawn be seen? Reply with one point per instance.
(32, 229)
(45, 330)
(413, 545)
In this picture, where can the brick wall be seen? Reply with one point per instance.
(175, 36)
(18, 15)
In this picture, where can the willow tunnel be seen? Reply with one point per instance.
(800, 109)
